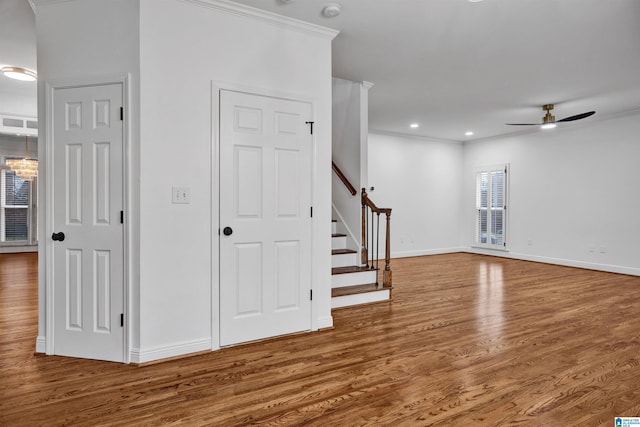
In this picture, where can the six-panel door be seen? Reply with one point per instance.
(265, 201)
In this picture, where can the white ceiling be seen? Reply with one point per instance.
(17, 48)
(449, 65)
(454, 65)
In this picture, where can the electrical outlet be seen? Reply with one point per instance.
(181, 195)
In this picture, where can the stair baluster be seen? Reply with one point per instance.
(371, 242)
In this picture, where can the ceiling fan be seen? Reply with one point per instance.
(549, 121)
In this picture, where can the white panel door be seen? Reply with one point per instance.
(88, 276)
(265, 219)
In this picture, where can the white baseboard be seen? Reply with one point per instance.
(439, 251)
(324, 322)
(41, 344)
(18, 249)
(163, 352)
(609, 268)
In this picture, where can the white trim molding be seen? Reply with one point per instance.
(41, 344)
(609, 268)
(270, 18)
(165, 351)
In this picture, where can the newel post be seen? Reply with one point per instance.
(386, 274)
(364, 255)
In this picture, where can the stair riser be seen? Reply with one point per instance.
(339, 242)
(351, 279)
(368, 297)
(344, 260)
(334, 227)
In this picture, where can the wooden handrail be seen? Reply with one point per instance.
(367, 201)
(343, 178)
(368, 204)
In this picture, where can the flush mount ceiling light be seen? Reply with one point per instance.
(468, 133)
(19, 73)
(414, 125)
(331, 10)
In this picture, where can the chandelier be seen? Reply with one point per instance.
(25, 168)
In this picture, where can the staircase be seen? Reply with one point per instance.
(352, 283)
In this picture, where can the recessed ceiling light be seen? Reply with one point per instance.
(19, 73)
(474, 1)
(331, 10)
(414, 125)
(548, 126)
(468, 133)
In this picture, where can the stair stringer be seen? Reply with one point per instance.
(353, 242)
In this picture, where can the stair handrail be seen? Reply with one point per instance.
(367, 203)
(343, 178)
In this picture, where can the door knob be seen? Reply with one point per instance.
(227, 231)
(58, 236)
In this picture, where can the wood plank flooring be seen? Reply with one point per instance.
(467, 340)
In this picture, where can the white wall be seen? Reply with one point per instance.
(421, 180)
(349, 151)
(178, 261)
(573, 193)
(173, 250)
(77, 40)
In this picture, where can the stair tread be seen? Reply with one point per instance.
(338, 235)
(358, 289)
(350, 269)
(342, 251)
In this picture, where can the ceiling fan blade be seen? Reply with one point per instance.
(523, 124)
(577, 117)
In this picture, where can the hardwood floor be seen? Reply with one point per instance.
(467, 340)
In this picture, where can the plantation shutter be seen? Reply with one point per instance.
(14, 208)
(491, 207)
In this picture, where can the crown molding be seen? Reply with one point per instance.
(418, 137)
(263, 16)
(242, 11)
(35, 4)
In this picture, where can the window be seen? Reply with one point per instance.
(15, 212)
(491, 207)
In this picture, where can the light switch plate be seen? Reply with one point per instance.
(181, 195)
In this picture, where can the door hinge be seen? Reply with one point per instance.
(121, 113)
(121, 320)
(311, 294)
(121, 217)
(311, 211)
(310, 127)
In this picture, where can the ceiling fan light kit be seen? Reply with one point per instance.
(549, 121)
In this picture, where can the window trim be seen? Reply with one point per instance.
(31, 207)
(504, 247)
